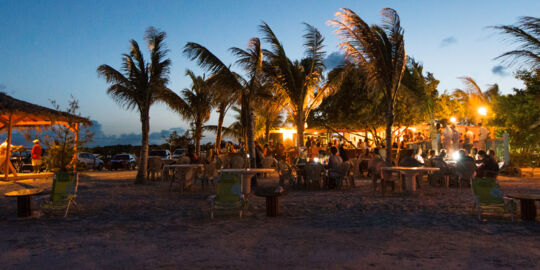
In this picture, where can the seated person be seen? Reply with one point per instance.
(465, 165)
(487, 166)
(334, 165)
(408, 161)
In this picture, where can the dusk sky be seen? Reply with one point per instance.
(51, 49)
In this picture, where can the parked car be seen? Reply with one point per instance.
(90, 161)
(178, 153)
(123, 161)
(163, 154)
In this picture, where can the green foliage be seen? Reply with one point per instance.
(61, 139)
(178, 141)
(519, 113)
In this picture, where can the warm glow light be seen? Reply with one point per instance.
(316, 132)
(316, 160)
(482, 111)
(305, 125)
(453, 119)
(287, 133)
(455, 155)
(413, 129)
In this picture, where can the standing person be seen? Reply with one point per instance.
(483, 135)
(468, 139)
(37, 151)
(334, 164)
(447, 137)
(315, 150)
(455, 138)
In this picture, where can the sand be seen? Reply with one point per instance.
(119, 225)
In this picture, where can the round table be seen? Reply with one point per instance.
(272, 200)
(527, 203)
(24, 200)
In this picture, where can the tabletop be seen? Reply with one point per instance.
(250, 170)
(415, 169)
(183, 165)
(24, 192)
(525, 196)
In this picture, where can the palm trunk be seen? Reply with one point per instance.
(143, 157)
(251, 138)
(389, 122)
(197, 136)
(300, 129)
(221, 118)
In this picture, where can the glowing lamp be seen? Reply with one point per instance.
(482, 111)
(455, 155)
(453, 119)
(316, 160)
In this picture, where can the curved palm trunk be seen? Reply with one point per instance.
(143, 157)
(389, 122)
(300, 121)
(221, 118)
(197, 137)
(251, 138)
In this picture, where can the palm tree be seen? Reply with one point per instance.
(139, 84)
(196, 105)
(251, 60)
(380, 52)
(527, 33)
(299, 80)
(223, 101)
(471, 98)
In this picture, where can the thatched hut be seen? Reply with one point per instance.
(15, 113)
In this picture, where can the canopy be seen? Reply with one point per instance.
(17, 113)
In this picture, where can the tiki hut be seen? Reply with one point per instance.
(15, 113)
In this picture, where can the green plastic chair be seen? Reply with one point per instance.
(63, 193)
(229, 196)
(489, 196)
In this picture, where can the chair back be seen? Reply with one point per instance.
(465, 169)
(443, 167)
(238, 162)
(228, 188)
(155, 164)
(210, 169)
(487, 191)
(313, 172)
(64, 187)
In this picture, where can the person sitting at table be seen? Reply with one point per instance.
(465, 166)
(334, 164)
(487, 166)
(408, 161)
(343, 153)
(444, 169)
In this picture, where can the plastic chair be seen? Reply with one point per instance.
(63, 193)
(285, 173)
(489, 196)
(313, 172)
(344, 175)
(229, 196)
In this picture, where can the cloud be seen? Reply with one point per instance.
(333, 60)
(101, 139)
(448, 41)
(499, 70)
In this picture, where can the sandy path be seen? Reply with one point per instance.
(119, 225)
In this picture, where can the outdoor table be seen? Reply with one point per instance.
(527, 202)
(182, 166)
(245, 176)
(410, 174)
(272, 199)
(24, 200)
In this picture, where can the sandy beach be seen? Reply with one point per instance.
(119, 225)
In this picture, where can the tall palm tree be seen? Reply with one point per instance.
(251, 60)
(301, 81)
(140, 84)
(527, 33)
(380, 52)
(196, 105)
(224, 99)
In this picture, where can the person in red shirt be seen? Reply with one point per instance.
(36, 155)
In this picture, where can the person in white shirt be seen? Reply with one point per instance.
(447, 137)
(483, 135)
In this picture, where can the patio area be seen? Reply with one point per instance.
(149, 227)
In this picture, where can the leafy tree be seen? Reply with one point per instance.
(380, 52)
(139, 84)
(527, 34)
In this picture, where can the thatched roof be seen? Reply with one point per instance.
(25, 114)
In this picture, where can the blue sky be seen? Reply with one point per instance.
(51, 49)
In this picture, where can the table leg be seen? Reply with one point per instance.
(272, 206)
(24, 206)
(410, 180)
(528, 210)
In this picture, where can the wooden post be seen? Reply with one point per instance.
(75, 141)
(506, 150)
(8, 148)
